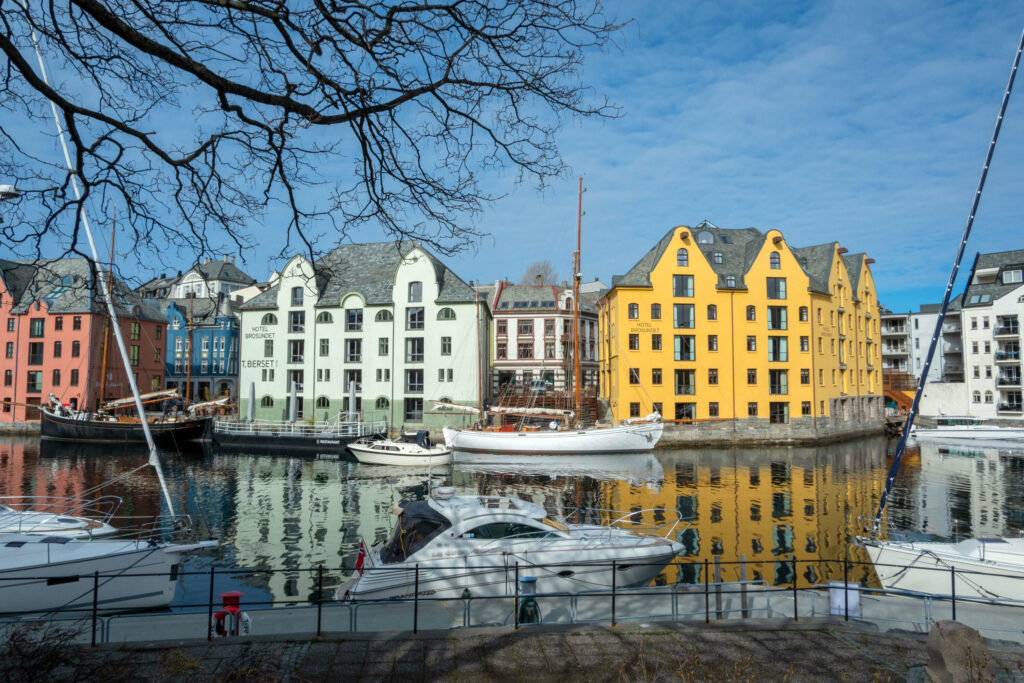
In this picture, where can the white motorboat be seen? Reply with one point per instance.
(474, 543)
(40, 574)
(967, 428)
(985, 568)
(391, 452)
(53, 516)
(631, 437)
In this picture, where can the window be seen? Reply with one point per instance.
(656, 407)
(634, 342)
(353, 320)
(805, 343)
(446, 314)
(76, 323)
(655, 311)
(296, 350)
(655, 342)
(1013, 276)
(682, 258)
(549, 327)
(323, 402)
(37, 326)
(414, 381)
(446, 346)
(803, 314)
(712, 375)
(683, 316)
(268, 319)
(58, 323)
(686, 382)
(383, 375)
(775, 261)
(502, 350)
(805, 408)
(752, 376)
(57, 348)
(325, 347)
(634, 311)
(440, 374)
(382, 346)
(501, 326)
(656, 376)
(74, 378)
(974, 323)
(988, 347)
(752, 409)
(634, 409)
(778, 349)
(34, 383)
(718, 257)
(415, 292)
(414, 318)
(988, 394)
(751, 313)
(525, 328)
(984, 322)
(682, 285)
(712, 342)
(296, 296)
(821, 377)
(778, 382)
(133, 355)
(751, 342)
(384, 316)
(297, 321)
(266, 402)
(686, 411)
(634, 376)
(524, 350)
(777, 318)
(323, 317)
(776, 288)
(8, 378)
(805, 376)
(974, 346)
(712, 312)
(382, 404)
(56, 378)
(353, 377)
(10, 324)
(778, 413)
(730, 280)
(685, 347)
(353, 350)
(414, 350)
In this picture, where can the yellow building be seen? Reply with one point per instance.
(716, 324)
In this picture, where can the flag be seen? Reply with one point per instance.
(360, 558)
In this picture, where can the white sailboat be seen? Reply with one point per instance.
(970, 429)
(41, 574)
(53, 516)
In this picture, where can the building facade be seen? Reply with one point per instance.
(716, 324)
(54, 339)
(388, 317)
(533, 336)
(202, 333)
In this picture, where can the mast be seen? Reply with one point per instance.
(154, 460)
(479, 356)
(106, 321)
(576, 300)
(188, 350)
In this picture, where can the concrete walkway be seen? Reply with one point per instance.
(768, 649)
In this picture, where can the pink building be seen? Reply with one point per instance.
(52, 336)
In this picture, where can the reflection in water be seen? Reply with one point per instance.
(766, 506)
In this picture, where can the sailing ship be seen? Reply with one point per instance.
(563, 432)
(63, 423)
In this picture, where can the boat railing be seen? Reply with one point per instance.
(145, 529)
(13, 508)
(631, 520)
(881, 530)
(272, 428)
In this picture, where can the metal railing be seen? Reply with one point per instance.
(273, 428)
(25, 514)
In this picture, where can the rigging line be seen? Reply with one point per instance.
(898, 457)
(123, 475)
(73, 175)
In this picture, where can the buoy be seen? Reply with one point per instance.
(230, 620)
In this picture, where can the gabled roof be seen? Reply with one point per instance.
(984, 293)
(369, 270)
(16, 277)
(205, 310)
(853, 264)
(219, 269)
(816, 261)
(538, 298)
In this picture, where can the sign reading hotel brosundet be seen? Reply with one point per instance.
(260, 332)
(644, 327)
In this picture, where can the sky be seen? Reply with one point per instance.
(861, 122)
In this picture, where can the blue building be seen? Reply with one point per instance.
(214, 347)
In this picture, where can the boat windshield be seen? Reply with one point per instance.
(417, 525)
(556, 525)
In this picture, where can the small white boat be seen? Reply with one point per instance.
(985, 568)
(46, 573)
(967, 428)
(474, 543)
(52, 516)
(391, 452)
(631, 437)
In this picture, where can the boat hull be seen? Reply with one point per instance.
(131, 576)
(283, 443)
(925, 568)
(998, 436)
(370, 456)
(95, 431)
(634, 438)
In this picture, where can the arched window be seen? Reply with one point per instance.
(269, 319)
(296, 296)
(682, 258)
(446, 314)
(775, 260)
(383, 403)
(324, 317)
(266, 402)
(712, 312)
(705, 237)
(976, 397)
(323, 402)
(803, 314)
(751, 313)
(415, 292)
(383, 316)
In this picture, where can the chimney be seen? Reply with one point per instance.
(539, 279)
(179, 273)
(163, 276)
(226, 258)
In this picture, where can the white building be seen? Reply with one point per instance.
(948, 363)
(388, 316)
(993, 306)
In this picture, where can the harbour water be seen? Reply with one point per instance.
(765, 506)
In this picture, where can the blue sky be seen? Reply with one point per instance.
(865, 123)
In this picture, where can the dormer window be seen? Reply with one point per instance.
(1013, 276)
(718, 257)
(705, 237)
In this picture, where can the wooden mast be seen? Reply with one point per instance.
(576, 301)
(188, 349)
(106, 321)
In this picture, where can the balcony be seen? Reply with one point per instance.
(952, 347)
(1010, 407)
(894, 331)
(1007, 356)
(1011, 330)
(948, 328)
(1008, 381)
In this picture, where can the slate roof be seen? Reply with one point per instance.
(66, 285)
(205, 310)
(157, 286)
(219, 269)
(537, 298)
(1003, 260)
(853, 264)
(369, 270)
(816, 261)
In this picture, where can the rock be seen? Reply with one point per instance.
(957, 653)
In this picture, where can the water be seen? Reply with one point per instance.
(766, 506)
